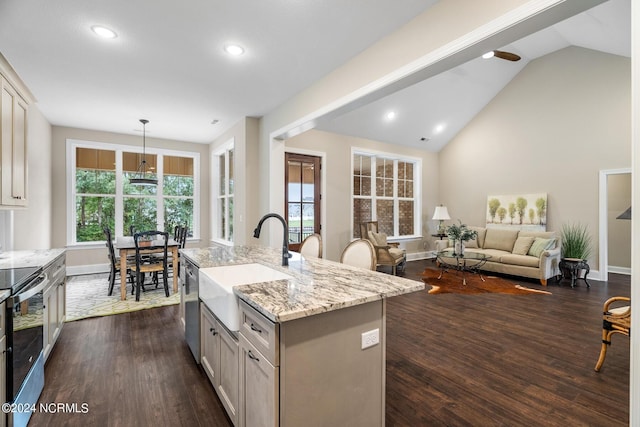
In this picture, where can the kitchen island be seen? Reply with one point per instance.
(310, 348)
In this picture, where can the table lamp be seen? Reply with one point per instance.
(441, 214)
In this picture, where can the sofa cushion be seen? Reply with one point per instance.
(497, 238)
(494, 254)
(522, 245)
(524, 260)
(542, 234)
(540, 245)
(479, 240)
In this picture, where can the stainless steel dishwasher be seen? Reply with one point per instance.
(191, 308)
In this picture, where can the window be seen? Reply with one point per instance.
(384, 190)
(223, 185)
(98, 181)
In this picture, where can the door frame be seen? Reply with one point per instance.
(603, 232)
(323, 184)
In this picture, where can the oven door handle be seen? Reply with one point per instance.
(23, 296)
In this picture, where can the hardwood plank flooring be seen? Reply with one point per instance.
(452, 360)
(505, 360)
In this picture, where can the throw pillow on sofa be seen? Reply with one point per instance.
(540, 245)
(522, 245)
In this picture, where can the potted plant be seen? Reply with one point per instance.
(460, 233)
(576, 242)
(576, 249)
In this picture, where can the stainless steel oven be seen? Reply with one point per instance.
(25, 329)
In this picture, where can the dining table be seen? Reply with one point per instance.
(126, 247)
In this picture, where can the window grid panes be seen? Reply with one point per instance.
(392, 202)
(224, 204)
(96, 194)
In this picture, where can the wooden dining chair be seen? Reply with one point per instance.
(156, 264)
(311, 246)
(114, 267)
(359, 253)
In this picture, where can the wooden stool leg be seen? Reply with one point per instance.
(606, 341)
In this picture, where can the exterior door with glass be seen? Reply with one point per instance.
(302, 197)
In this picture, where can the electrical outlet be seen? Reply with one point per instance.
(370, 338)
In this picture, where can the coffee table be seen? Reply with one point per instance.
(468, 262)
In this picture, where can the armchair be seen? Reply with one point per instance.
(387, 254)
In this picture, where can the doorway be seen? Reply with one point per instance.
(614, 199)
(302, 197)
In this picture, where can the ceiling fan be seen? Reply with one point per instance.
(502, 54)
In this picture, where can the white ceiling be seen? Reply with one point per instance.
(167, 64)
(454, 97)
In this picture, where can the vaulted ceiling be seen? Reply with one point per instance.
(168, 64)
(430, 113)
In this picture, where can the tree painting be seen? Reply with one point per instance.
(521, 205)
(519, 211)
(541, 205)
(494, 204)
(512, 211)
(502, 213)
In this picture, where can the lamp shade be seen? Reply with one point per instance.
(441, 213)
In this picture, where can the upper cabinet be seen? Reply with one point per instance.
(13, 135)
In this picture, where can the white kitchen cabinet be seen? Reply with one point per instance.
(259, 394)
(13, 134)
(219, 358)
(54, 301)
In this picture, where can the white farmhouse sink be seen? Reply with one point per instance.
(216, 288)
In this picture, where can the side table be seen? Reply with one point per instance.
(573, 266)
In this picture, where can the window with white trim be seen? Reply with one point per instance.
(101, 195)
(386, 189)
(223, 187)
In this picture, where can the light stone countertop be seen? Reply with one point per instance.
(317, 286)
(34, 258)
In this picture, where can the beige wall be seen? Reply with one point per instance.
(337, 194)
(246, 213)
(561, 120)
(449, 33)
(82, 256)
(619, 230)
(32, 226)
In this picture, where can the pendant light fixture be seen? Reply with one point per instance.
(141, 174)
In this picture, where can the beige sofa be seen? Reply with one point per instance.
(529, 254)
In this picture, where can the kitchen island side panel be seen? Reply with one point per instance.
(326, 378)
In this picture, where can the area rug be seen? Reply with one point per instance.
(87, 297)
(451, 283)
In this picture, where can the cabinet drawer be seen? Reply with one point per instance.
(261, 332)
(57, 270)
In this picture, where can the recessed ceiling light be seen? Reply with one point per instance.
(488, 55)
(390, 115)
(439, 128)
(234, 49)
(104, 32)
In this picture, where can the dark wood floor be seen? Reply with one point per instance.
(452, 360)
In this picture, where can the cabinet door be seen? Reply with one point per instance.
(259, 399)
(228, 374)
(209, 345)
(50, 314)
(61, 312)
(14, 146)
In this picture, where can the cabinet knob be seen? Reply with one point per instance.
(213, 331)
(255, 328)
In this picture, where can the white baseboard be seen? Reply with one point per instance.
(415, 256)
(620, 270)
(87, 269)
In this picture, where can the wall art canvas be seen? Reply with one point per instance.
(518, 211)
